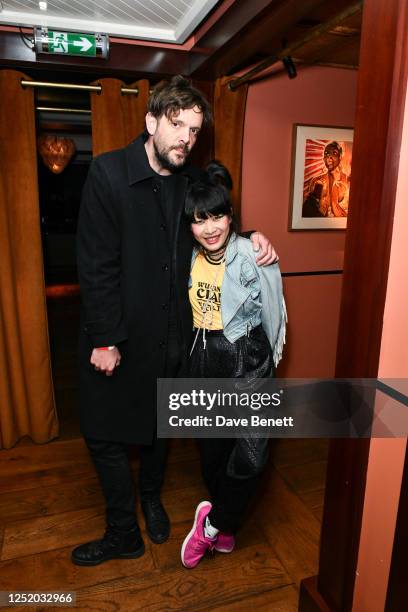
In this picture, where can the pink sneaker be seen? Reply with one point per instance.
(196, 543)
(225, 543)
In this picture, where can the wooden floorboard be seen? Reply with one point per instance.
(29, 466)
(291, 529)
(53, 570)
(50, 502)
(84, 492)
(51, 532)
(284, 599)
(295, 451)
(247, 572)
(305, 477)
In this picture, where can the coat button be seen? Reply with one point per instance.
(156, 188)
(164, 306)
(162, 344)
(165, 267)
(162, 226)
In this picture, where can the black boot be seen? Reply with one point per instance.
(157, 521)
(115, 544)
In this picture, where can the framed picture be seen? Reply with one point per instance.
(321, 170)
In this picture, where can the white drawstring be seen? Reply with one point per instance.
(195, 340)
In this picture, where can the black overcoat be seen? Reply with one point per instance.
(124, 265)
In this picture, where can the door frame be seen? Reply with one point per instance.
(381, 92)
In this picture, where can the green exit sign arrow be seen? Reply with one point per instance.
(71, 44)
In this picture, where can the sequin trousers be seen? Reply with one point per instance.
(248, 360)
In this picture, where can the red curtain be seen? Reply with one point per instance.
(27, 406)
(117, 118)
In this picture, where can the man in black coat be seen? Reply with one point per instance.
(134, 251)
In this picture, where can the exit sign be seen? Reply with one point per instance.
(71, 43)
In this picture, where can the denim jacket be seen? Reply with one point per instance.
(250, 295)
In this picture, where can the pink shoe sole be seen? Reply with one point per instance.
(192, 530)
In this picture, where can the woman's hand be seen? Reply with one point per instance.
(267, 254)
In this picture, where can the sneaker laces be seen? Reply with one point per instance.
(203, 540)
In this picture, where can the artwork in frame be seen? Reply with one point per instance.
(321, 177)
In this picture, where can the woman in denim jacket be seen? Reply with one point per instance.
(240, 321)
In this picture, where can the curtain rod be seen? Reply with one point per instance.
(288, 51)
(124, 90)
(53, 109)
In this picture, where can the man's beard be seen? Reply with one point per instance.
(162, 157)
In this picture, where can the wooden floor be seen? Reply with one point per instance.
(50, 501)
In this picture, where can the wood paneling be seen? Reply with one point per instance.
(310, 598)
(264, 35)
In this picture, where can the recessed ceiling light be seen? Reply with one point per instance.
(43, 6)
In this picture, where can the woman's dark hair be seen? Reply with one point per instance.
(210, 196)
(170, 97)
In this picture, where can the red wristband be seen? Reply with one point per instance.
(105, 348)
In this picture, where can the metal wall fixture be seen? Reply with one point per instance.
(290, 49)
(54, 109)
(97, 88)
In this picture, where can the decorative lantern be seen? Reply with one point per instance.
(56, 152)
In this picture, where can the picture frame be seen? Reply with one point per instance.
(321, 170)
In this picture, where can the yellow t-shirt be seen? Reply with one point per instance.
(205, 293)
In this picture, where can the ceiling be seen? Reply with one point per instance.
(233, 35)
(156, 20)
(241, 34)
(322, 32)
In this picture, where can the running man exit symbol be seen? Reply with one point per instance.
(72, 44)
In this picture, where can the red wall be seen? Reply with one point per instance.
(317, 96)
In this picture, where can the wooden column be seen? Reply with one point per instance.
(378, 128)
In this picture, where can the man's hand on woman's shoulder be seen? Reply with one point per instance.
(266, 253)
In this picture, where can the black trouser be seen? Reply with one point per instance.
(229, 496)
(219, 358)
(113, 467)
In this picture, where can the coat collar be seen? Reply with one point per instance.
(232, 249)
(138, 166)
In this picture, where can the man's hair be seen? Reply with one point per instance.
(170, 97)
